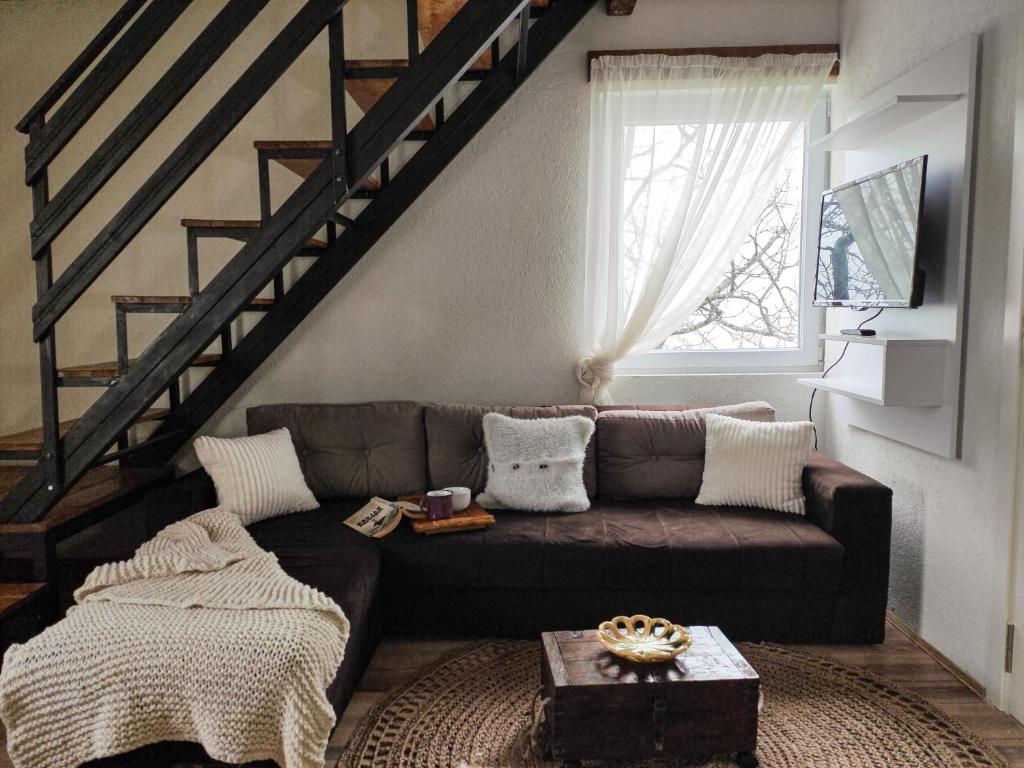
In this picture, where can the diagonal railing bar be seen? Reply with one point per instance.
(102, 81)
(182, 162)
(81, 63)
(174, 349)
(373, 137)
(283, 235)
(332, 266)
(122, 143)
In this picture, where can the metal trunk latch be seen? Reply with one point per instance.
(658, 724)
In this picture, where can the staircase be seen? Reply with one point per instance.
(352, 190)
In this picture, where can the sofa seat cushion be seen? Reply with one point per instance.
(318, 549)
(618, 545)
(353, 451)
(456, 455)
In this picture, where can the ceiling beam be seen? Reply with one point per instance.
(745, 51)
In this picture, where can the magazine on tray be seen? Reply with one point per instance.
(379, 517)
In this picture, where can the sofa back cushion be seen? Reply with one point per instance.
(455, 442)
(354, 450)
(659, 454)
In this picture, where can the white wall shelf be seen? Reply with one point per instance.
(883, 341)
(888, 371)
(931, 110)
(898, 112)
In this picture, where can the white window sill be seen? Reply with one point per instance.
(794, 372)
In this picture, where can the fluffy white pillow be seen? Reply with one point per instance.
(755, 464)
(536, 464)
(256, 477)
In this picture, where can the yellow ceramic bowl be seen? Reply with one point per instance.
(641, 638)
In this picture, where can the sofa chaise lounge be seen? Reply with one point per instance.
(644, 546)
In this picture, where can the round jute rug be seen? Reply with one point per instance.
(476, 708)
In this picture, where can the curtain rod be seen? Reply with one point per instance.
(740, 51)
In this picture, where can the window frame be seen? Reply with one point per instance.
(807, 356)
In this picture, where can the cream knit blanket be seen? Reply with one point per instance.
(199, 637)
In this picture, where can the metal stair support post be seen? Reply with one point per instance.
(339, 118)
(50, 458)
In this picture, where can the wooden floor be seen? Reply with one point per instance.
(898, 660)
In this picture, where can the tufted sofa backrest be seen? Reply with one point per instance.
(354, 450)
(393, 448)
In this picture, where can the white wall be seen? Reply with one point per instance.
(950, 537)
(476, 293)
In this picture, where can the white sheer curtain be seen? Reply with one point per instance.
(683, 154)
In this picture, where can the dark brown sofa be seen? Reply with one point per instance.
(644, 546)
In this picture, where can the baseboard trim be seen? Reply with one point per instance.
(943, 661)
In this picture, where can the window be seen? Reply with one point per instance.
(758, 315)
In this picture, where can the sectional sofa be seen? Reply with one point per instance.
(644, 546)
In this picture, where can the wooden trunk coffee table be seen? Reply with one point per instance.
(602, 707)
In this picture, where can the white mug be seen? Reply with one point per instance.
(460, 498)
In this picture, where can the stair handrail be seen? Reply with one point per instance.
(200, 55)
(178, 167)
(82, 62)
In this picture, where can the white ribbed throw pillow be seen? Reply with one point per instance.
(256, 477)
(536, 464)
(755, 464)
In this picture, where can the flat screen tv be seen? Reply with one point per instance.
(868, 240)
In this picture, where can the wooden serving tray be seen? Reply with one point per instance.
(472, 518)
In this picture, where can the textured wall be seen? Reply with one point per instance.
(475, 295)
(950, 536)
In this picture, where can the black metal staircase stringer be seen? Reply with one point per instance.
(332, 266)
(285, 233)
(180, 164)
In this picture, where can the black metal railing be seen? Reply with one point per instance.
(282, 235)
(441, 147)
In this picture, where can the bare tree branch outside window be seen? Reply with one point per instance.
(756, 304)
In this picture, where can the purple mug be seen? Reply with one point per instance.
(437, 505)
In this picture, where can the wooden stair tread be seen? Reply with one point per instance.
(324, 144)
(16, 596)
(32, 439)
(376, 63)
(304, 166)
(300, 166)
(109, 369)
(315, 244)
(183, 300)
(221, 223)
(367, 92)
(434, 15)
(95, 489)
